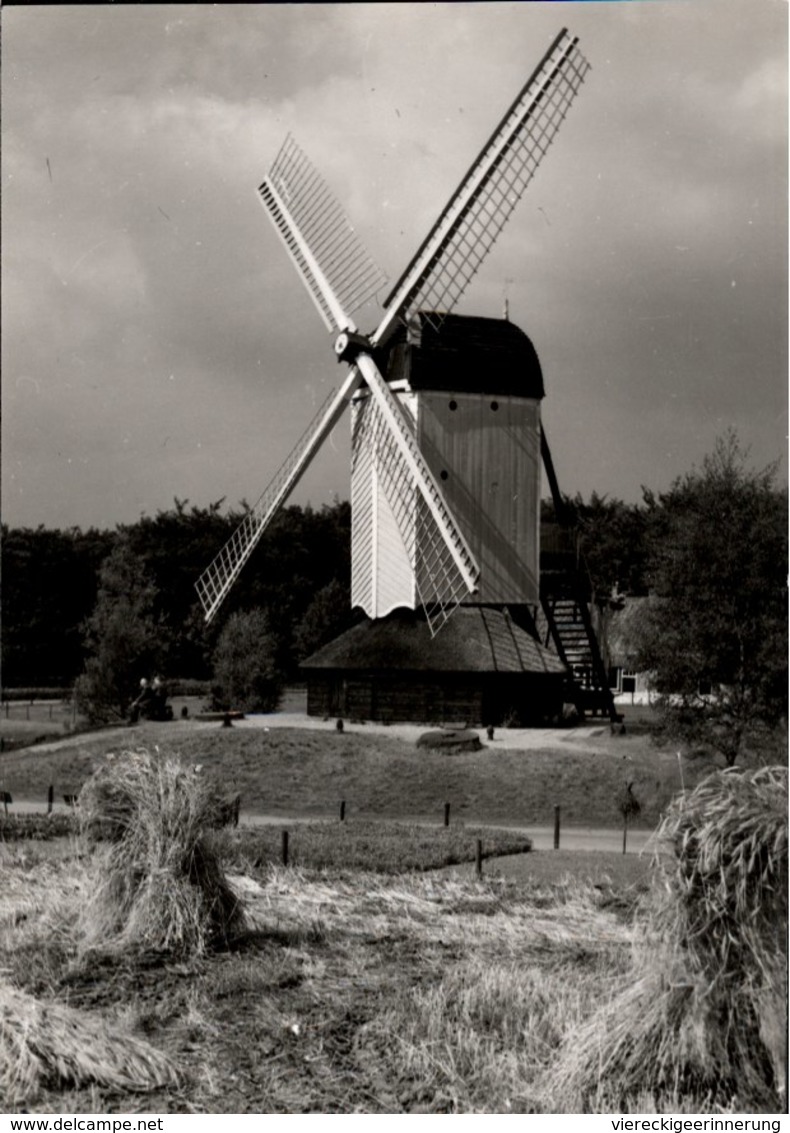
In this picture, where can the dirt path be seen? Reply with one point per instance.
(588, 838)
(519, 739)
(581, 738)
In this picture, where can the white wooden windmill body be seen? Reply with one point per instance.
(441, 482)
(479, 432)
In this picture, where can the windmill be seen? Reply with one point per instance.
(410, 546)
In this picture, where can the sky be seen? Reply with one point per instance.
(158, 344)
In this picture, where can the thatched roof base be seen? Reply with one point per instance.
(482, 668)
(476, 639)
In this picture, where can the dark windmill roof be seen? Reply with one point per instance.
(475, 639)
(466, 354)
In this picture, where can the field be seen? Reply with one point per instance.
(477, 978)
(376, 973)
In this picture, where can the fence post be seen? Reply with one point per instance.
(446, 814)
(285, 847)
(556, 827)
(343, 811)
(50, 798)
(479, 858)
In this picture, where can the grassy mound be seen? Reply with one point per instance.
(704, 1008)
(53, 1044)
(308, 771)
(158, 882)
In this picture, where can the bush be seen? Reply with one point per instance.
(188, 687)
(123, 639)
(246, 676)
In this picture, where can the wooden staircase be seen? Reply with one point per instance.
(566, 598)
(567, 626)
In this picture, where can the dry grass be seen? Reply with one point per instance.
(363, 993)
(300, 1015)
(455, 992)
(499, 920)
(704, 1008)
(157, 880)
(475, 1041)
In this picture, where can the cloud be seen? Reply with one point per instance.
(150, 304)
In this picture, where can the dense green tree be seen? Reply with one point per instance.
(177, 545)
(301, 552)
(611, 539)
(124, 642)
(327, 615)
(50, 581)
(246, 675)
(715, 642)
(49, 588)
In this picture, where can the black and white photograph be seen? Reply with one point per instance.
(393, 702)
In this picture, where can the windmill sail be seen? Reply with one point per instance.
(340, 276)
(470, 224)
(318, 236)
(438, 582)
(217, 579)
(412, 467)
(334, 268)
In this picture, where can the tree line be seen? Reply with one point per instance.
(52, 580)
(298, 575)
(107, 608)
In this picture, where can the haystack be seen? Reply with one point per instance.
(158, 883)
(703, 1012)
(53, 1044)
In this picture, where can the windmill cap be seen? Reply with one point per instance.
(466, 354)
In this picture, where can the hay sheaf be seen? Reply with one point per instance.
(158, 881)
(703, 1010)
(52, 1044)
